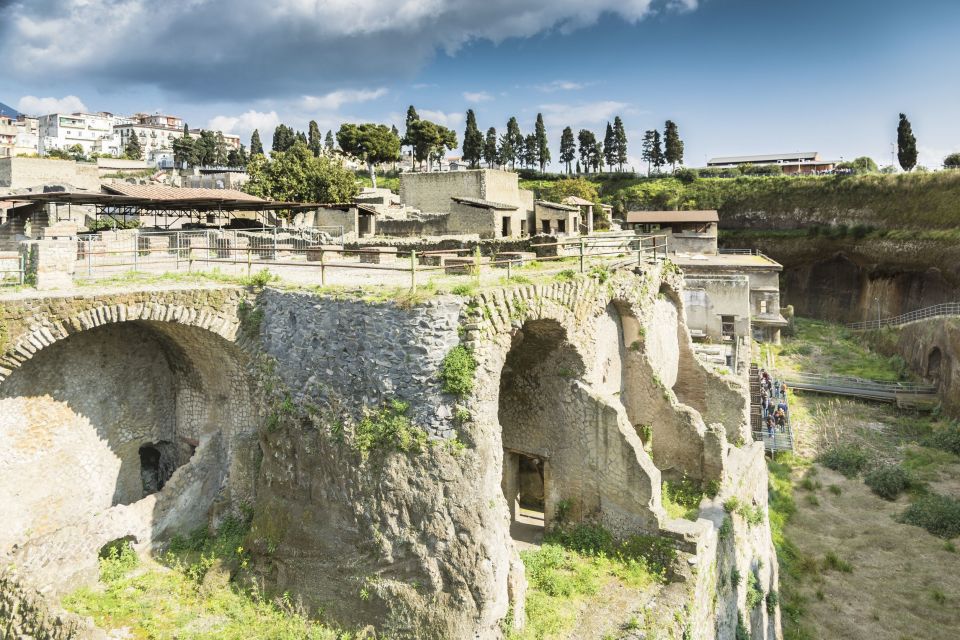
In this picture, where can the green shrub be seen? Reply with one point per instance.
(117, 559)
(847, 459)
(681, 498)
(742, 633)
(726, 529)
(457, 371)
(389, 429)
(947, 438)
(754, 592)
(773, 599)
(888, 481)
(835, 489)
(260, 279)
(464, 290)
(938, 514)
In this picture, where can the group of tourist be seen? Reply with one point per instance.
(773, 403)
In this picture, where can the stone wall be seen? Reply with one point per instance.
(423, 532)
(706, 298)
(932, 350)
(23, 173)
(432, 192)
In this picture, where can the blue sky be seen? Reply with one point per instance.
(738, 76)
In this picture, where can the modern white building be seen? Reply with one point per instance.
(64, 130)
(155, 140)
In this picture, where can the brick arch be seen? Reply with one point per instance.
(53, 329)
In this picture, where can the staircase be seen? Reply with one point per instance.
(780, 441)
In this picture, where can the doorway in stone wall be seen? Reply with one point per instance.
(524, 487)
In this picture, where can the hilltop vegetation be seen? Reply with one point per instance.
(873, 200)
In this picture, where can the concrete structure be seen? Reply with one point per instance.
(720, 307)
(487, 218)
(8, 136)
(28, 136)
(798, 162)
(154, 139)
(586, 212)
(686, 231)
(26, 173)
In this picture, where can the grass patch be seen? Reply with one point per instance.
(946, 438)
(833, 562)
(938, 514)
(681, 499)
(175, 598)
(574, 564)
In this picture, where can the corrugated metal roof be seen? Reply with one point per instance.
(486, 204)
(556, 205)
(653, 217)
(157, 192)
(770, 157)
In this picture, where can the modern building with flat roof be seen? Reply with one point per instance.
(796, 162)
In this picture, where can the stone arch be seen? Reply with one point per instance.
(100, 396)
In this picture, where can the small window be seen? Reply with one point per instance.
(562, 226)
(763, 306)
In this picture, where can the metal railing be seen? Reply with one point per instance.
(779, 440)
(140, 255)
(936, 311)
(858, 387)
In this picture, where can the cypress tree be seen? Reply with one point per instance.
(472, 141)
(543, 146)
(490, 148)
(620, 134)
(568, 148)
(517, 142)
(673, 152)
(906, 144)
(609, 146)
(256, 147)
(313, 138)
(328, 140)
(531, 154)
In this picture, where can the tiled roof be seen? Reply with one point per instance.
(556, 205)
(576, 200)
(487, 204)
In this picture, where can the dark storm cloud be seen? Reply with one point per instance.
(249, 49)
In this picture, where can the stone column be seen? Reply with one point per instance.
(49, 264)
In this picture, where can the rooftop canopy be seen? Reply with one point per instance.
(670, 217)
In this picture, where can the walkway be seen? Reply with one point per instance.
(782, 439)
(936, 311)
(904, 394)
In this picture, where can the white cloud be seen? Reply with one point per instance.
(560, 85)
(450, 120)
(244, 124)
(254, 49)
(562, 115)
(336, 99)
(32, 105)
(479, 96)
(930, 157)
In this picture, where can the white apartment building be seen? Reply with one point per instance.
(155, 140)
(158, 119)
(27, 142)
(8, 136)
(64, 130)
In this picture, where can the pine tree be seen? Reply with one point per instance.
(313, 138)
(472, 141)
(609, 146)
(328, 140)
(647, 153)
(906, 144)
(673, 145)
(620, 134)
(516, 141)
(543, 145)
(302, 137)
(506, 154)
(568, 148)
(490, 148)
(578, 167)
(588, 143)
(256, 147)
(133, 150)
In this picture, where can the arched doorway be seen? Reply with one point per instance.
(934, 364)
